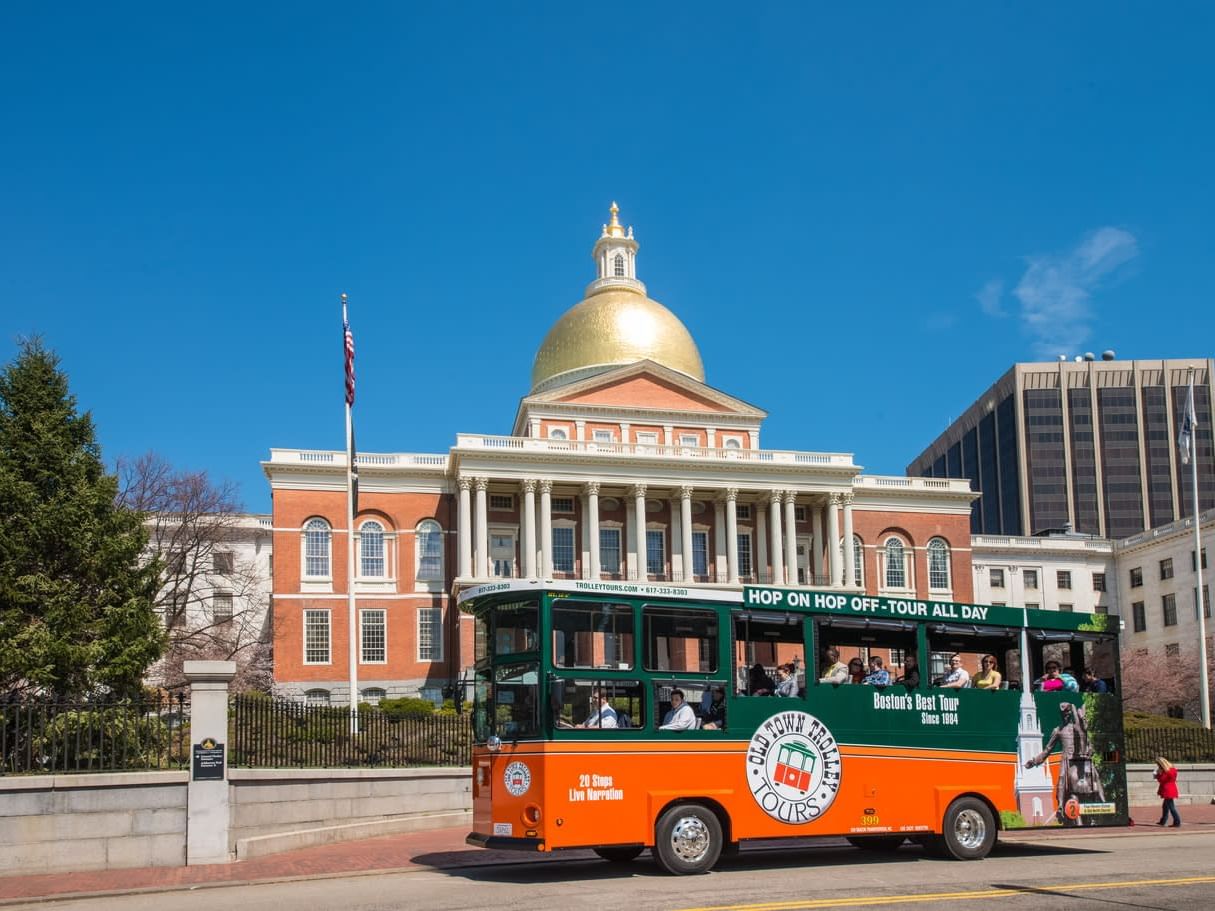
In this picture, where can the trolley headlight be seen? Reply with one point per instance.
(494, 743)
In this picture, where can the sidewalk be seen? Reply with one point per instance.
(441, 849)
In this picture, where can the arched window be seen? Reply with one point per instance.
(429, 558)
(371, 550)
(732, 443)
(938, 564)
(316, 697)
(317, 546)
(618, 265)
(896, 569)
(858, 560)
(373, 694)
(556, 433)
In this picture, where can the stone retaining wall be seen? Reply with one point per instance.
(1195, 783)
(55, 823)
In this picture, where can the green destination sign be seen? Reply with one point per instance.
(862, 605)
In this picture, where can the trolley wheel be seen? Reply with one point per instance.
(687, 839)
(620, 855)
(877, 842)
(969, 831)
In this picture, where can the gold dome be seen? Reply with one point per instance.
(615, 326)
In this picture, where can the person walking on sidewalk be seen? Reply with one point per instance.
(1166, 775)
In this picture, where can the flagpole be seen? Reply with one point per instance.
(1205, 694)
(351, 621)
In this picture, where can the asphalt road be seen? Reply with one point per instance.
(1153, 870)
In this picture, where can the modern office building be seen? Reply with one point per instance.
(622, 467)
(1087, 445)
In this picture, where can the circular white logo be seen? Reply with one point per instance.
(793, 767)
(518, 778)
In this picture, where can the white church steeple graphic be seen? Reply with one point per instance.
(1035, 793)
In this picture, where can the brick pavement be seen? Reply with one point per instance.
(440, 849)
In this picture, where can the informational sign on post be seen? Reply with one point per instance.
(208, 760)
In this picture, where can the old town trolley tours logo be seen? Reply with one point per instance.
(517, 778)
(793, 767)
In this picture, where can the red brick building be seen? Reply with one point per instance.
(622, 464)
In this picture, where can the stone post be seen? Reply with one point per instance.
(207, 814)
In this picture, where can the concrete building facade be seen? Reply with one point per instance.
(1087, 444)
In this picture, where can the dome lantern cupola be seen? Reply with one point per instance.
(615, 324)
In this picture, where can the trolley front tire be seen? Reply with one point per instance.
(621, 855)
(968, 833)
(687, 839)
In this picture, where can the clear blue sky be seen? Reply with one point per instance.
(863, 216)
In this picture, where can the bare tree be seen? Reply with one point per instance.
(214, 593)
(1153, 681)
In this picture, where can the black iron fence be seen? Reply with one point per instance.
(1179, 744)
(44, 736)
(272, 733)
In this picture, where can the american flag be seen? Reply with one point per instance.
(1189, 420)
(348, 342)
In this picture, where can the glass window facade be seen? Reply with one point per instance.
(1120, 467)
(1045, 456)
(1084, 461)
(1156, 446)
(1205, 450)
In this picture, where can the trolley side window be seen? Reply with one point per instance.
(970, 644)
(592, 635)
(680, 640)
(607, 705)
(877, 651)
(768, 649)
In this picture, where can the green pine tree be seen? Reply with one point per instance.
(76, 592)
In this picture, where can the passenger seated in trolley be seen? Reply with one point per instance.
(680, 717)
(602, 715)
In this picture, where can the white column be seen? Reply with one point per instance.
(732, 534)
(816, 544)
(833, 537)
(207, 814)
(711, 438)
(546, 529)
(778, 570)
(533, 428)
(761, 539)
(579, 430)
(850, 574)
(668, 435)
(639, 519)
(464, 529)
(676, 535)
(592, 505)
(529, 529)
(481, 569)
(791, 536)
(719, 540)
(685, 531)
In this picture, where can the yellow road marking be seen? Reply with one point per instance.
(862, 901)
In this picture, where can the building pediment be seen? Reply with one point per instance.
(642, 386)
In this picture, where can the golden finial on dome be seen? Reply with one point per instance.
(613, 228)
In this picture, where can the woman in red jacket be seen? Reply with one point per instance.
(1166, 775)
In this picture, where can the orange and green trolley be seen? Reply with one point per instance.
(575, 685)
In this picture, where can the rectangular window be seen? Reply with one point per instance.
(679, 639)
(1101, 609)
(1137, 577)
(799, 513)
(1206, 603)
(1193, 562)
(316, 637)
(501, 501)
(1098, 582)
(1172, 650)
(1066, 608)
(1166, 568)
(222, 562)
(609, 550)
(1063, 579)
(374, 637)
(603, 436)
(316, 553)
(1033, 605)
(1168, 608)
(764, 641)
(221, 607)
(744, 553)
(430, 634)
(502, 554)
(700, 553)
(1031, 578)
(563, 549)
(563, 505)
(997, 578)
(743, 510)
(647, 438)
(590, 635)
(689, 439)
(1138, 617)
(655, 552)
